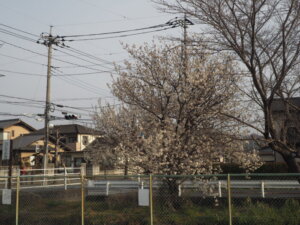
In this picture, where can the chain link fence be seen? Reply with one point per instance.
(237, 199)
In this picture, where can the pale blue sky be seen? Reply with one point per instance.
(68, 17)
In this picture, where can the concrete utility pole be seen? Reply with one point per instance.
(47, 108)
(184, 57)
(48, 40)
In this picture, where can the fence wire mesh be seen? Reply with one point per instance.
(47, 202)
(265, 199)
(115, 200)
(189, 200)
(238, 199)
(7, 211)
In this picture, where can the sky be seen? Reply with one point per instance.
(78, 80)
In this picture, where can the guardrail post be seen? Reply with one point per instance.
(107, 188)
(82, 198)
(229, 199)
(220, 189)
(65, 178)
(179, 190)
(151, 198)
(263, 189)
(17, 199)
(142, 185)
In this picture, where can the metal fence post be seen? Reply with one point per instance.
(151, 198)
(17, 199)
(82, 199)
(229, 199)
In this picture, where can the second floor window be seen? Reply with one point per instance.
(85, 140)
(72, 139)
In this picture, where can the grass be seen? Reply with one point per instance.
(123, 210)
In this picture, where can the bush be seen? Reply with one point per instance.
(265, 168)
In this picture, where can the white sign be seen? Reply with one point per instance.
(6, 196)
(5, 149)
(143, 197)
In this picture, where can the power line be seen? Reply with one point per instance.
(125, 35)
(33, 103)
(19, 47)
(16, 29)
(55, 75)
(89, 55)
(114, 32)
(24, 60)
(80, 84)
(77, 57)
(17, 35)
(23, 73)
(108, 21)
(37, 53)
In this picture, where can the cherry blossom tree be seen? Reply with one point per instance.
(264, 37)
(171, 121)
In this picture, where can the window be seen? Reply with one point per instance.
(12, 133)
(78, 161)
(68, 161)
(85, 140)
(292, 135)
(72, 139)
(63, 140)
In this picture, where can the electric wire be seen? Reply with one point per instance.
(85, 60)
(60, 60)
(23, 60)
(82, 53)
(125, 35)
(16, 29)
(17, 35)
(115, 32)
(35, 103)
(81, 84)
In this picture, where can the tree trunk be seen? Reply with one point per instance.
(173, 200)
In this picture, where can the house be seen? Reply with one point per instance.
(286, 116)
(12, 129)
(76, 138)
(28, 149)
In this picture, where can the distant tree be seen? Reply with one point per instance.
(264, 37)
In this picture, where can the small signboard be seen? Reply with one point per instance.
(6, 196)
(143, 197)
(5, 149)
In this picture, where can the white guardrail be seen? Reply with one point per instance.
(106, 187)
(44, 178)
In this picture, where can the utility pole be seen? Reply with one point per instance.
(48, 40)
(184, 57)
(47, 108)
(58, 138)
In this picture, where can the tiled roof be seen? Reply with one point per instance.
(72, 129)
(27, 139)
(12, 122)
